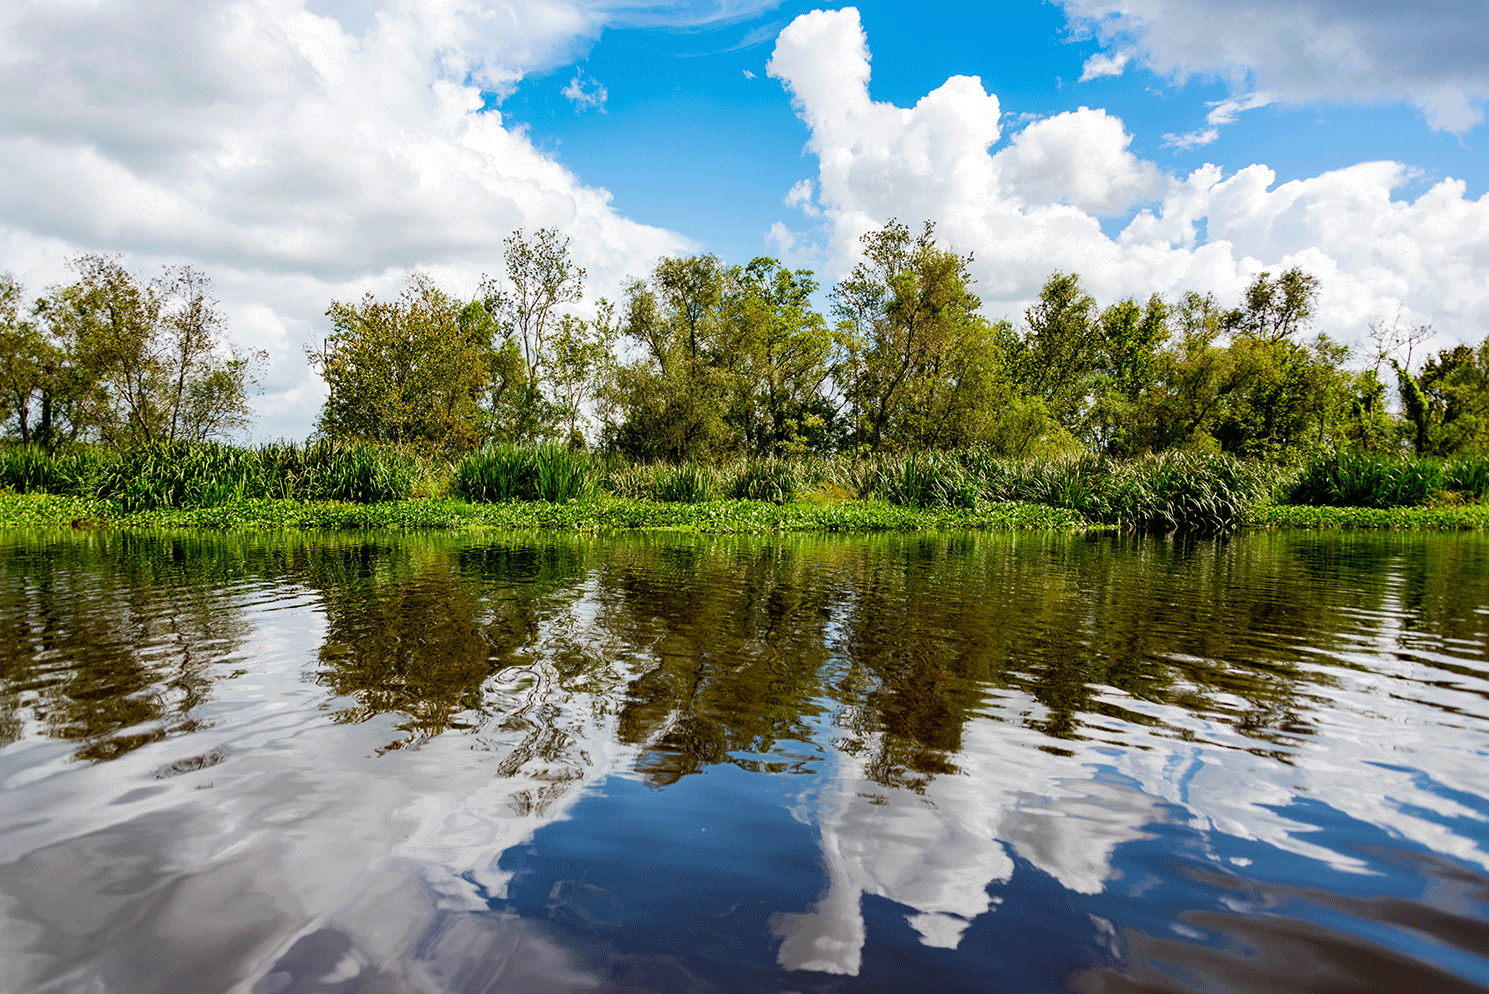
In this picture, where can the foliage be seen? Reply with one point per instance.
(553, 473)
(1447, 403)
(117, 359)
(1362, 479)
(917, 366)
(407, 372)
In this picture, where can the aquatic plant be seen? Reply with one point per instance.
(553, 473)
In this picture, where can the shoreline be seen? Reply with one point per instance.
(614, 514)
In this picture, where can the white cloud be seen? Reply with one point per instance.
(1101, 64)
(1358, 51)
(1033, 205)
(1080, 158)
(590, 95)
(1192, 139)
(297, 154)
(748, 74)
(800, 197)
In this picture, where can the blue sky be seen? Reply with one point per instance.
(685, 140)
(305, 151)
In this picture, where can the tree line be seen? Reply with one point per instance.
(700, 360)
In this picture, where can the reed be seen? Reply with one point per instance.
(553, 473)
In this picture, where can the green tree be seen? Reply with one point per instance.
(903, 315)
(409, 371)
(1288, 396)
(779, 349)
(26, 358)
(135, 361)
(1447, 403)
(541, 277)
(1189, 380)
(671, 402)
(1060, 357)
(1131, 337)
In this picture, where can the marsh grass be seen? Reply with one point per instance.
(1163, 493)
(184, 474)
(1363, 479)
(553, 473)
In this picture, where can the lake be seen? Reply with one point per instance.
(511, 763)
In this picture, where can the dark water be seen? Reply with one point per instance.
(900, 763)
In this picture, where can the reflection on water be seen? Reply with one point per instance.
(512, 763)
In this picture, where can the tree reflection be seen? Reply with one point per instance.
(418, 629)
(113, 640)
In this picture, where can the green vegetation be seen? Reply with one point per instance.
(356, 485)
(909, 408)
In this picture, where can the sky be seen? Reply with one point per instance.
(305, 151)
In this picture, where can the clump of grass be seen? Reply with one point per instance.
(773, 480)
(1363, 479)
(355, 471)
(689, 483)
(181, 474)
(1467, 476)
(553, 473)
(932, 479)
(73, 470)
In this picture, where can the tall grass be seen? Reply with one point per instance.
(554, 473)
(1362, 479)
(189, 474)
(1170, 492)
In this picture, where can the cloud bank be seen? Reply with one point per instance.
(297, 153)
(1354, 51)
(1034, 201)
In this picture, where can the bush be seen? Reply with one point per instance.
(689, 483)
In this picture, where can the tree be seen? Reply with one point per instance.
(1447, 403)
(1288, 396)
(670, 403)
(901, 314)
(541, 278)
(779, 349)
(583, 354)
(26, 356)
(1059, 357)
(1275, 310)
(134, 361)
(1189, 381)
(411, 371)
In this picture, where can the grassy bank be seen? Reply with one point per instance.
(324, 485)
(596, 514)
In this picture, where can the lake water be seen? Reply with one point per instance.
(504, 763)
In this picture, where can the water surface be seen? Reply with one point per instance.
(669, 763)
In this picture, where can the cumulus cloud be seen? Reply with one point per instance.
(1033, 203)
(297, 152)
(1357, 51)
(585, 94)
(1104, 64)
(800, 197)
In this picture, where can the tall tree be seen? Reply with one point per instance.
(26, 356)
(409, 371)
(779, 349)
(902, 313)
(671, 401)
(139, 361)
(1061, 353)
(527, 308)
